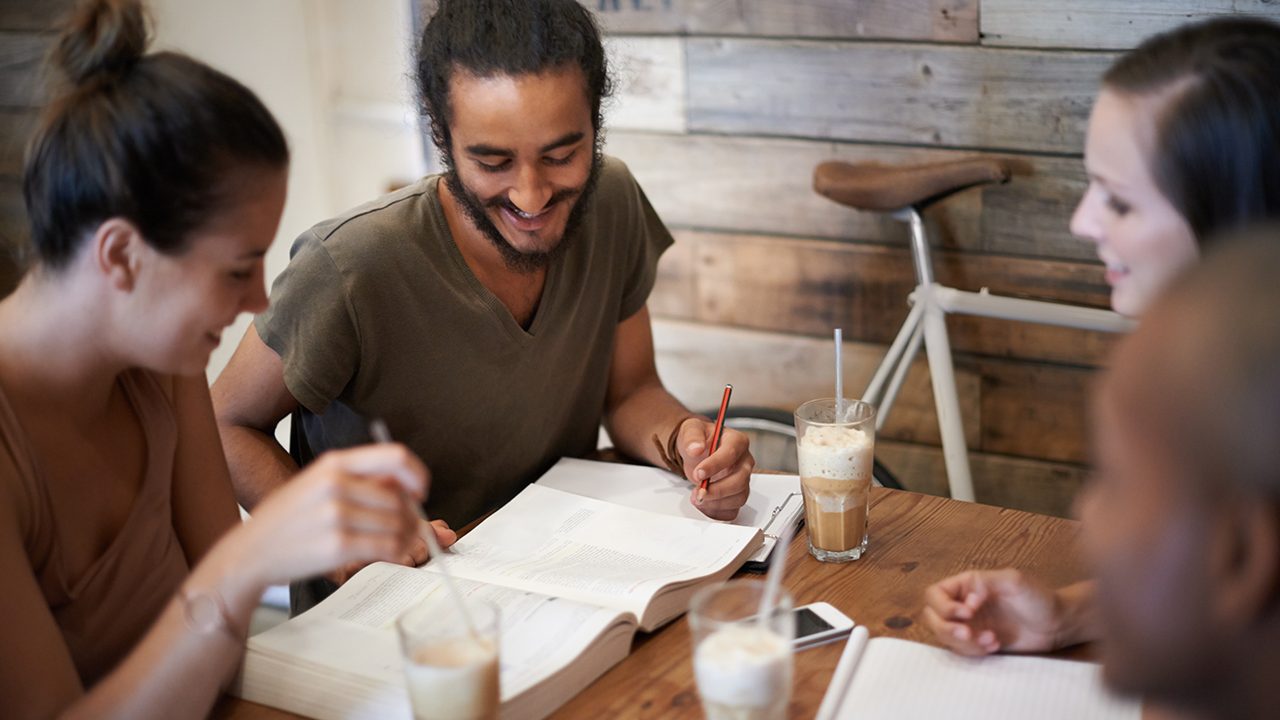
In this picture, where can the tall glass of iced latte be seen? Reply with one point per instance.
(835, 449)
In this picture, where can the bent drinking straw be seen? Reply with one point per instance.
(378, 430)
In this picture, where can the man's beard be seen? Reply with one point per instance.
(516, 260)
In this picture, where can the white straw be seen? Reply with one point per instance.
(378, 430)
(845, 668)
(777, 565)
(839, 378)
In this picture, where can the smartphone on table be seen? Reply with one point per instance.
(818, 624)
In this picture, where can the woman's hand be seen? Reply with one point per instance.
(348, 508)
(985, 611)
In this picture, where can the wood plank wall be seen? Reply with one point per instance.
(25, 35)
(725, 108)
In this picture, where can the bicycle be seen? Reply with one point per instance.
(905, 191)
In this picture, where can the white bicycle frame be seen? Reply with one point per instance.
(926, 322)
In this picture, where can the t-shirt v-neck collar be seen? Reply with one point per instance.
(500, 311)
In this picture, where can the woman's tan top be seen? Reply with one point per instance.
(104, 612)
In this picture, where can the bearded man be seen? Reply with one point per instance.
(493, 315)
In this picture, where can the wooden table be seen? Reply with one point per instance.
(915, 541)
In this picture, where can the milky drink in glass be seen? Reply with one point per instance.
(451, 673)
(836, 455)
(743, 667)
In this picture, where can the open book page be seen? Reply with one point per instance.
(775, 499)
(558, 543)
(353, 631)
(903, 679)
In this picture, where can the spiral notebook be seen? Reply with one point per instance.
(774, 503)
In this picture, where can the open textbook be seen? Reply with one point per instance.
(896, 679)
(775, 501)
(574, 578)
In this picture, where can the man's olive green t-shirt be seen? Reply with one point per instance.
(378, 316)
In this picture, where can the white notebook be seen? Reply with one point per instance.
(774, 502)
(902, 680)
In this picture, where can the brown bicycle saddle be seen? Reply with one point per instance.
(873, 186)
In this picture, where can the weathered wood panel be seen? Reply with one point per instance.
(765, 185)
(1034, 410)
(674, 291)
(936, 20)
(32, 14)
(1031, 485)
(21, 55)
(783, 371)
(649, 88)
(919, 94)
(1101, 24)
(15, 127)
(809, 287)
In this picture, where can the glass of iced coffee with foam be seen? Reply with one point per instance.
(742, 663)
(451, 663)
(835, 446)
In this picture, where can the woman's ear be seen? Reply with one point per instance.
(118, 249)
(1247, 576)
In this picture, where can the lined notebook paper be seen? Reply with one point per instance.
(900, 679)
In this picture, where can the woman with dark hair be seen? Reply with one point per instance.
(1183, 145)
(154, 185)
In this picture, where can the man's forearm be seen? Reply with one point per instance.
(257, 462)
(646, 413)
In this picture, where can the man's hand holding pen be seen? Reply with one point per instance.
(726, 471)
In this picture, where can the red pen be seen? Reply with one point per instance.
(715, 437)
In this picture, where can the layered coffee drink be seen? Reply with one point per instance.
(454, 679)
(835, 461)
(744, 673)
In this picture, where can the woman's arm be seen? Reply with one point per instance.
(204, 505)
(980, 612)
(37, 676)
(181, 665)
(348, 506)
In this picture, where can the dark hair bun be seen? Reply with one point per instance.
(100, 38)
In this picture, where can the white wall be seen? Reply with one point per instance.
(335, 75)
(266, 46)
(370, 113)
